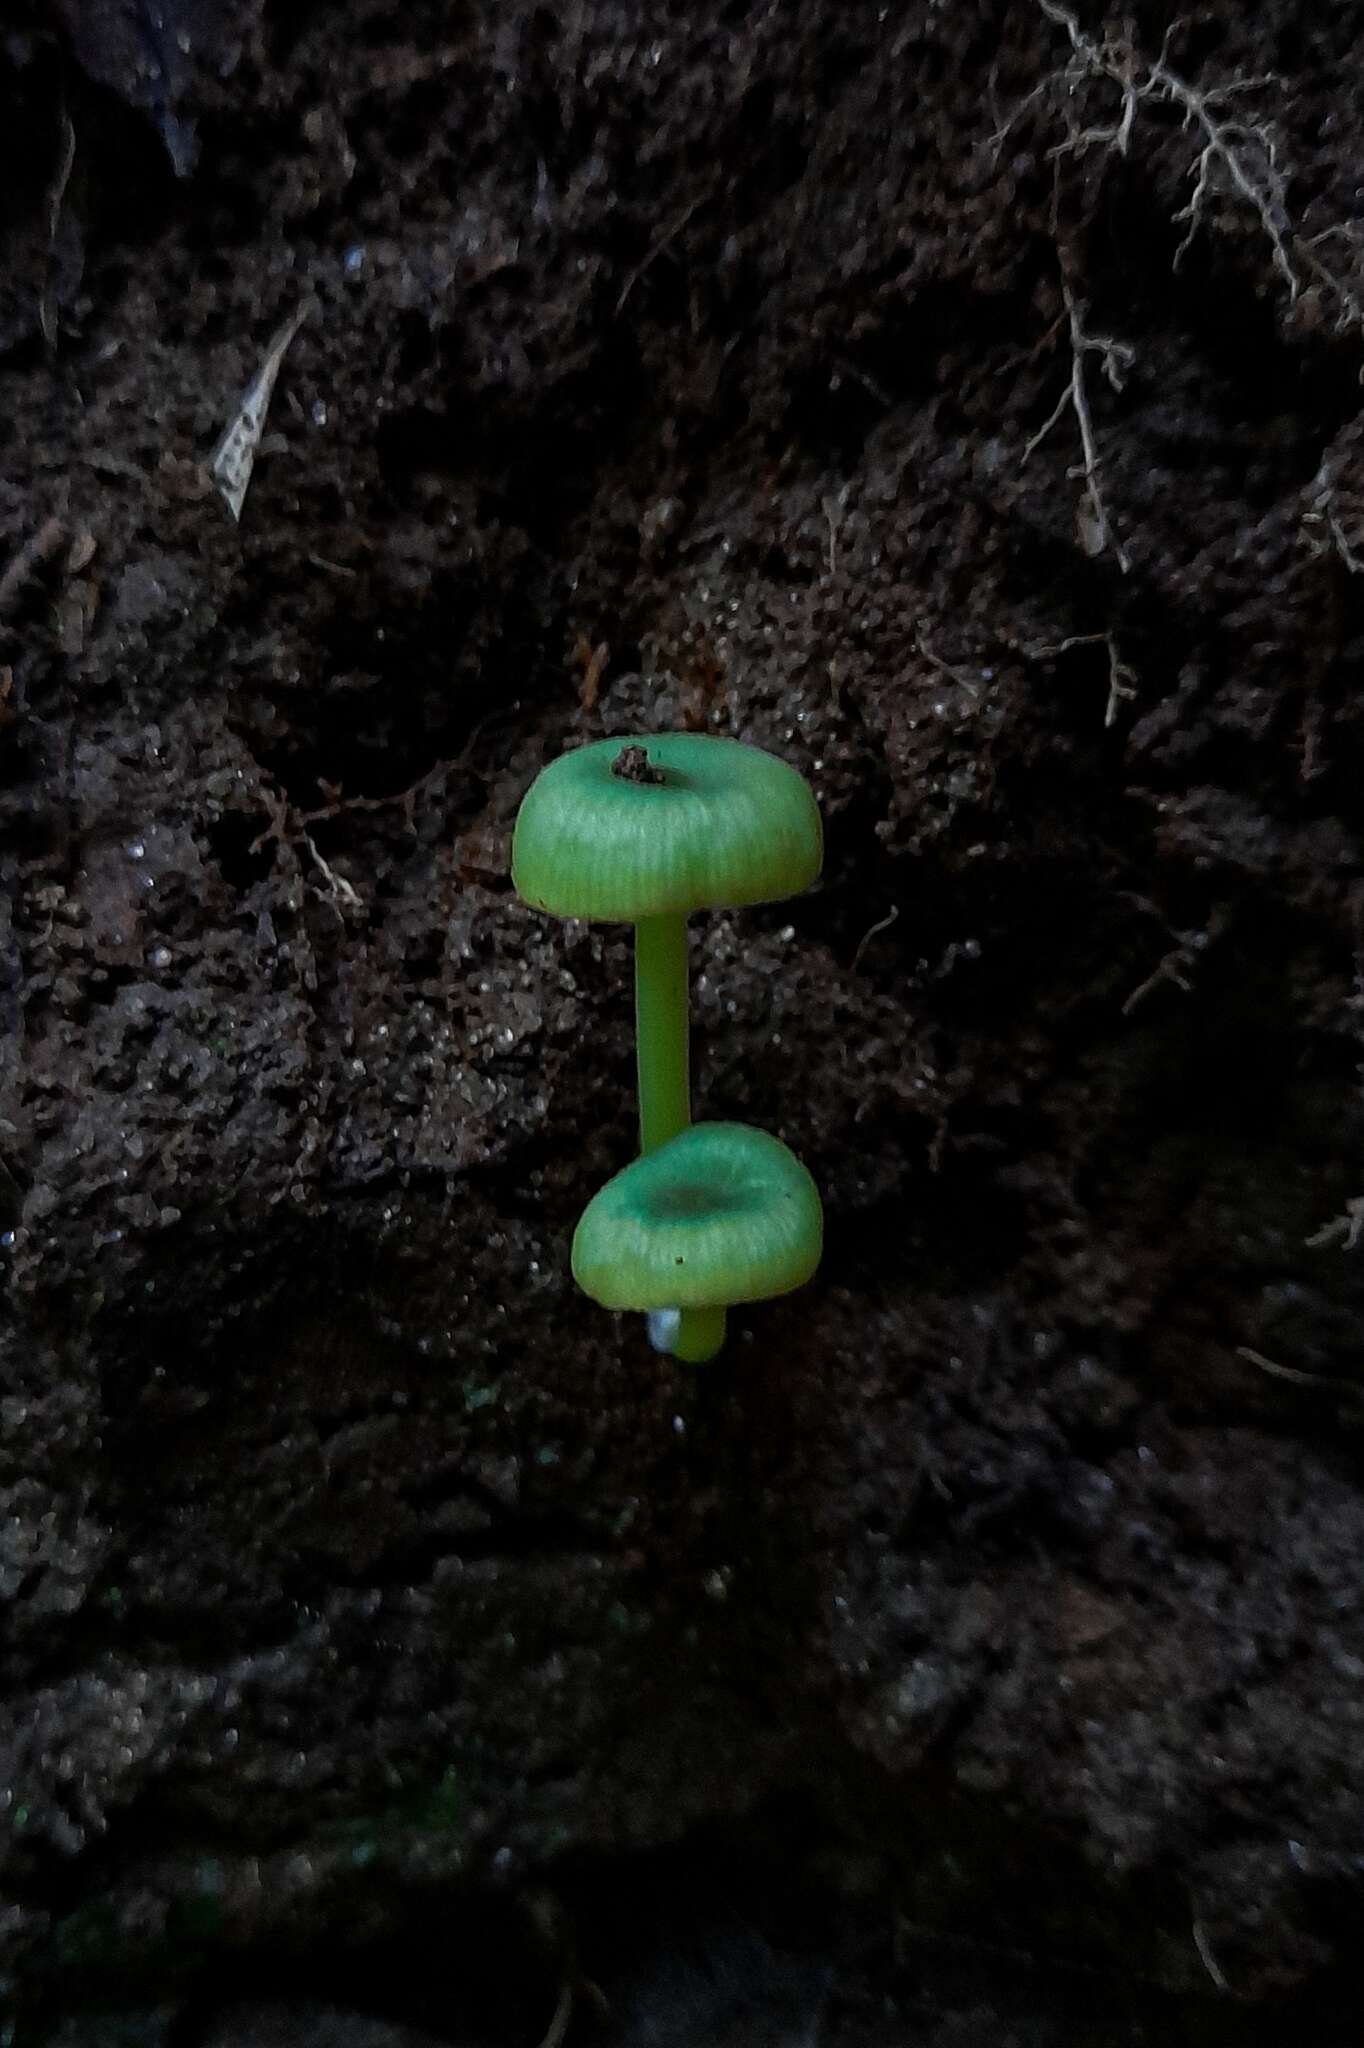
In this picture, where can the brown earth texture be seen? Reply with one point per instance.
(963, 402)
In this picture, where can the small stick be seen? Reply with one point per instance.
(563, 2013)
(1117, 359)
(36, 550)
(658, 246)
(1206, 1956)
(1290, 1372)
(1172, 968)
(882, 925)
(47, 312)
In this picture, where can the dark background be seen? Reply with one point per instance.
(383, 1624)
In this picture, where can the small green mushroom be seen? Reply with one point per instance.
(721, 1214)
(644, 831)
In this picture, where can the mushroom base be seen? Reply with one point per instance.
(700, 1334)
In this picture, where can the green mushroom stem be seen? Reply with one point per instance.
(662, 1000)
(700, 1335)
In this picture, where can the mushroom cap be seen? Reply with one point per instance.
(721, 1213)
(715, 823)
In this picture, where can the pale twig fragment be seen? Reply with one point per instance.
(47, 309)
(1247, 156)
(1337, 1382)
(592, 660)
(342, 891)
(1122, 677)
(1092, 521)
(1174, 968)
(1232, 158)
(660, 244)
(563, 2013)
(1122, 682)
(1346, 1230)
(36, 551)
(956, 675)
(833, 507)
(1334, 519)
(1206, 1956)
(883, 924)
(1235, 157)
(234, 458)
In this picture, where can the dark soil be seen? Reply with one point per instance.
(388, 1632)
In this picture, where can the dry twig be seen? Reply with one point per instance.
(47, 310)
(1205, 1955)
(35, 553)
(563, 2013)
(592, 661)
(883, 924)
(1243, 155)
(1235, 157)
(1115, 359)
(935, 660)
(1347, 1229)
(1174, 968)
(833, 507)
(1334, 519)
(1333, 1382)
(288, 826)
(660, 244)
(1122, 678)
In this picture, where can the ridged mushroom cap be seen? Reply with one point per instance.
(662, 823)
(722, 1213)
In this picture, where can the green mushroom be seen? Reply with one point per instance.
(721, 1214)
(644, 831)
